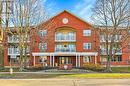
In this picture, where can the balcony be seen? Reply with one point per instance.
(14, 39)
(15, 51)
(65, 37)
(65, 49)
(117, 52)
(117, 38)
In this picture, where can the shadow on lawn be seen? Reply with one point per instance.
(29, 76)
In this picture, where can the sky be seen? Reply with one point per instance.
(81, 8)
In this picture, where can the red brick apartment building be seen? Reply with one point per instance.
(73, 42)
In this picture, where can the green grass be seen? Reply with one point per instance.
(67, 76)
(98, 75)
(121, 69)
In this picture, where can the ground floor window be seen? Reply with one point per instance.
(43, 59)
(13, 59)
(117, 58)
(87, 59)
(65, 60)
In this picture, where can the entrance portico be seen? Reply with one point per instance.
(64, 57)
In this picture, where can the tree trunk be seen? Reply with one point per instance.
(108, 65)
(21, 60)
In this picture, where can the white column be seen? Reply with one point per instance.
(50, 60)
(79, 60)
(34, 61)
(95, 59)
(53, 61)
(76, 61)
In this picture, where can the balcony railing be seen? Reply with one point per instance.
(117, 38)
(103, 52)
(65, 38)
(15, 51)
(65, 49)
(14, 39)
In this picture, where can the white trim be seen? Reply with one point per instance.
(16, 54)
(95, 59)
(76, 61)
(65, 53)
(79, 60)
(53, 60)
(34, 61)
(50, 60)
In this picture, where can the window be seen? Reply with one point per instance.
(42, 33)
(102, 38)
(117, 59)
(43, 46)
(87, 46)
(129, 46)
(87, 32)
(87, 59)
(118, 37)
(129, 32)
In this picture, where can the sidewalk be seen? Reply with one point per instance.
(65, 82)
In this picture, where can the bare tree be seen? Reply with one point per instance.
(27, 14)
(113, 16)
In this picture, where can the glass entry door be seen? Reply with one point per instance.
(65, 60)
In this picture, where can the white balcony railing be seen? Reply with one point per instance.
(65, 37)
(15, 51)
(117, 52)
(14, 39)
(117, 38)
(65, 49)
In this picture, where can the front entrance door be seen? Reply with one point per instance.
(65, 60)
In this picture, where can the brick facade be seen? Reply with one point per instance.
(73, 24)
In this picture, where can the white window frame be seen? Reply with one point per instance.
(87, 32)
(86, 46)
(42, 46)
(129, 32)
(42, 33)
(87, 59)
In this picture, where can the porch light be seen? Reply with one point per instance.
(65, 45)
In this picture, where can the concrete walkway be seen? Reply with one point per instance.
(65, 82)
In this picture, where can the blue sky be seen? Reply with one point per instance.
(81, 8)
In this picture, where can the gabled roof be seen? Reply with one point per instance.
(70, 14)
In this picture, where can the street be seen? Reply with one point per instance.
(65, 82)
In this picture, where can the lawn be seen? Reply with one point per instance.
(67, 76)
(121, 69)
(98, 75)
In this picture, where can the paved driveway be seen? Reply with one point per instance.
(65, 82)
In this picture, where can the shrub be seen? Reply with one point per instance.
(91, 66)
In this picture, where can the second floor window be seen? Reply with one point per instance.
(42, 33)
(43, 46)
(87, 46)
(86, 32)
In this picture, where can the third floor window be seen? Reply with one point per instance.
(42, 33)
(86, 32)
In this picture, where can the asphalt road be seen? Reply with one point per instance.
(65, 82)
